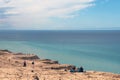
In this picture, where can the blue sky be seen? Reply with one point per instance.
(59, 14)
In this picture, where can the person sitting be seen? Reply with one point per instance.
(72, 69)
(80, 69)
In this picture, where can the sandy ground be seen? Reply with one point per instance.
(11, 68)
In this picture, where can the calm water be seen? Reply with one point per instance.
(94, 50)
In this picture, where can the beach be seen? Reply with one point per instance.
(12, 68)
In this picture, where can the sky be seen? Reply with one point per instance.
(59, 14)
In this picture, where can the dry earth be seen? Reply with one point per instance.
(11, 68)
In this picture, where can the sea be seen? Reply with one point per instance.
(97, 50)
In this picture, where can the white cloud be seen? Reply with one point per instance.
(46, 7)
(39, 11)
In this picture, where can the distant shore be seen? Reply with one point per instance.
(12, 67)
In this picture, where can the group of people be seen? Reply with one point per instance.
(25, 64)
(74, 69)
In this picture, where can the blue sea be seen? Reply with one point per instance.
(97, 50)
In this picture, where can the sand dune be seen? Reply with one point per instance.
(11, 68)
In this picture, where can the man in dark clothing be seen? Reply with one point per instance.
(81, 69)
(24, 64)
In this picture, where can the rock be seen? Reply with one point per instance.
(46, 60)
(24, 57)
(63, 67)
(19, 54)
(6, 51)
(50, 62)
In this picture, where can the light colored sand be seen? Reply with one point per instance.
(11, 68)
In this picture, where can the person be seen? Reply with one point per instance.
(24, 64)
(80, 69)
(32, 62)
(32, 66)
(65, 70)
(35, 78)
(32, 70)
(72, 69)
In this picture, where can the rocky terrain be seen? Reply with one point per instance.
(11, 68)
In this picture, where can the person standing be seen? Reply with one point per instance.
(24, 64)
(33, 64)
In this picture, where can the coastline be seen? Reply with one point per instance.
(95, 50)
(12, 68)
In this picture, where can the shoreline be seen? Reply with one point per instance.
(46, 69)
